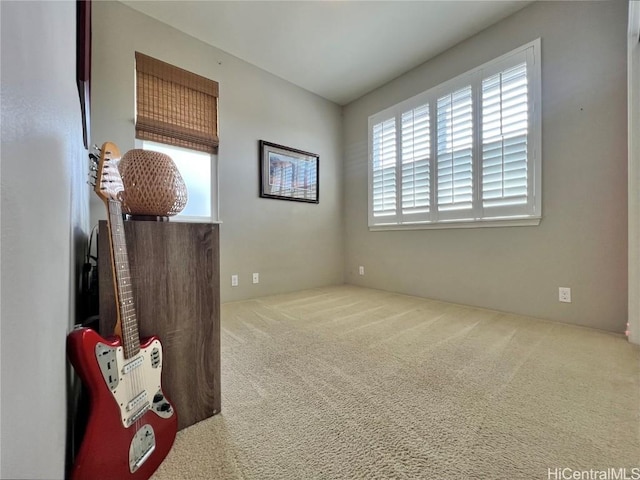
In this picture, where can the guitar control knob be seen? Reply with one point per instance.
(165, 407)
(157, 398)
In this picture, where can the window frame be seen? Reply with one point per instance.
(214, 217)
(175, 109)
(478, 215)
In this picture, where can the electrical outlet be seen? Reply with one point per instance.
(564, 294)
(360, 270)
(256, 278)
(234, 280)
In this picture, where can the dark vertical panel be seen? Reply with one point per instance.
(175, 268)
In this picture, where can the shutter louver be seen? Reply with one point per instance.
(416, 148)
(462, 154)
(454, 157)
(504, 138)
(384, 168)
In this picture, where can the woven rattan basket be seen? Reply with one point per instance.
(153, 185)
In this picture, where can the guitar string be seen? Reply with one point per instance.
(117, 261)
(129, 331)
(132, 333)
(134, 383)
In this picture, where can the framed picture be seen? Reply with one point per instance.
(288, 174)
(83, 64)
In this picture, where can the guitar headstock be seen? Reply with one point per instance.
(108, 183)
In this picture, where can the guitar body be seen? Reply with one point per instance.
(131, 425)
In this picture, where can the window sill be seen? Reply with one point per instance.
(192, 219)
(489, 223)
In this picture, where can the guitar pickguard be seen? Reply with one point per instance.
(134, 382)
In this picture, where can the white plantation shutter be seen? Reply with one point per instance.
(455, 151)
(416, 158)
(384, 168)
(504, 138)
(464, 152)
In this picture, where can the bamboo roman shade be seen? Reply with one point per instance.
(174, 106)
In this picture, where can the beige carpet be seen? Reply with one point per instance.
(350, 383)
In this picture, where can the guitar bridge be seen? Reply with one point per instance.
(133, 418)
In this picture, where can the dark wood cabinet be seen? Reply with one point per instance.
(176, 283)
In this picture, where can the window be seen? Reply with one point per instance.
(177, 114)
(464, 153)
(199, 174)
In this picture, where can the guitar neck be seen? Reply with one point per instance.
(122, 277)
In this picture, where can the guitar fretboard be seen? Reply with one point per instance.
(122, 276)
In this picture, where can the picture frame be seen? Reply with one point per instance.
(288, 173)
(83, 65)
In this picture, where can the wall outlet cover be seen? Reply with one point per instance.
(564, 294)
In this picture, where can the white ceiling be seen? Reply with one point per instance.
(339, 50)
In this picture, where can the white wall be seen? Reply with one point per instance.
(44, 214)
(292, 245)
(582, 240)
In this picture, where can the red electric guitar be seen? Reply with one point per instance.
(131, 425)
